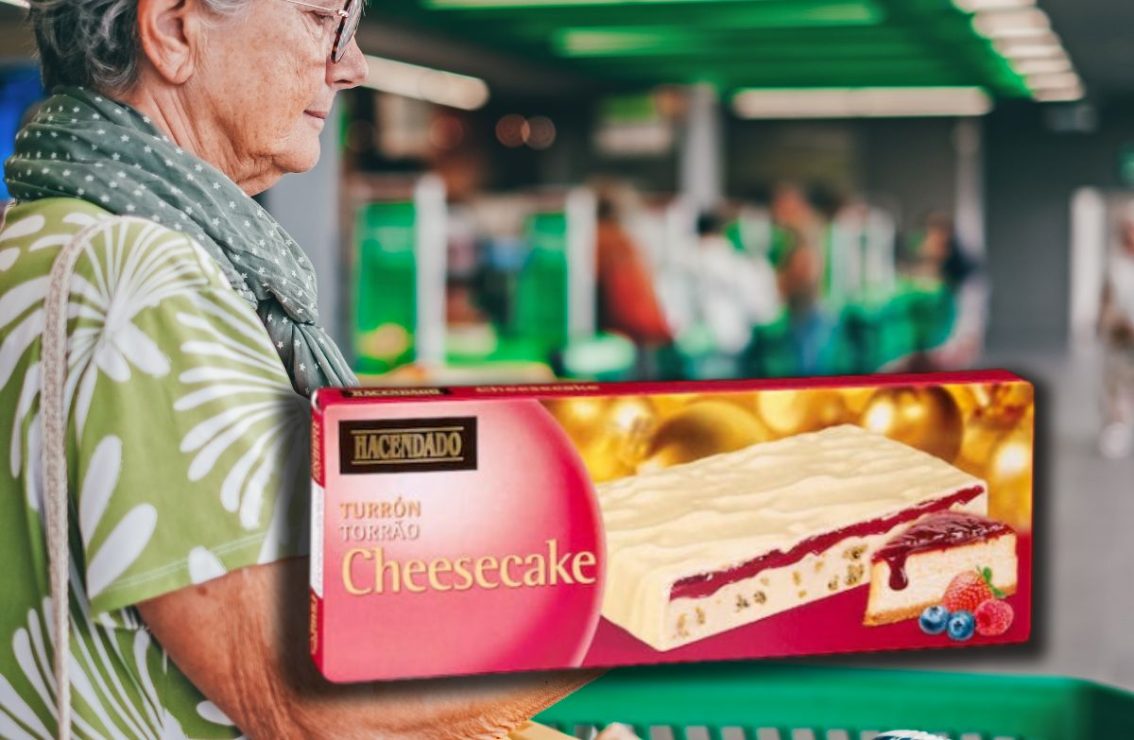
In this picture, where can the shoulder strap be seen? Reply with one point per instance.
(53, 412)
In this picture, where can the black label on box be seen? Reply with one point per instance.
(407, 445)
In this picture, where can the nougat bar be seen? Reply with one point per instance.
(701, 548)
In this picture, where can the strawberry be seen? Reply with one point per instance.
(993, 618)
(970, 589)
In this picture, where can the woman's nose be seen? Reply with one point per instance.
(350, 71)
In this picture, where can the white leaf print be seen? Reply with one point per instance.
(130, 271)
(83, 687)
(14, 709)
(215, 392)
(8, 258)
(220, 432)
(143, 351)
(32, 656)
(110, 359)
(16, 300)
(22, 716)
(17, 343)
(282, 529)
(121, 548)
(33, 481)
(254, 494)
(208, 429)
(251, 414)
(28, 393)
(98, 485)
(98, 687)
(204, 566)
(82, 219)
(34, 669)
(48, 242)
(22, 228)
(85, 397)
(237, 478)
(213, 714)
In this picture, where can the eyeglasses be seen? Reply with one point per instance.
(348, 17)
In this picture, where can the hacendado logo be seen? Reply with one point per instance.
(407, 445)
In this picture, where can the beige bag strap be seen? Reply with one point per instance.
(53, 415)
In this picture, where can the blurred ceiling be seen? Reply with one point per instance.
(732, 43)
(559, 46)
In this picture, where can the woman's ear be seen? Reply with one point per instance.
(171, 33)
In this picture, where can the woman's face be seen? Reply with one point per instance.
(268, 83)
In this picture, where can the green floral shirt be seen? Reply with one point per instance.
(187, 457)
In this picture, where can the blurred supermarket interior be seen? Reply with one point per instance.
(682, 189)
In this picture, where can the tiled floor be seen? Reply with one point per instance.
(1084, 542)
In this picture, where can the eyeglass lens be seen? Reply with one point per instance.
(347, 29)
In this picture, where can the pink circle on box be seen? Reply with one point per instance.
(529, 487)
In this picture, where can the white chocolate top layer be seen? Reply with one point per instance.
(722, 511)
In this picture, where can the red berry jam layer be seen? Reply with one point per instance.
(706, 584)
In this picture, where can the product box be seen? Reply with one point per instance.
(514, 528)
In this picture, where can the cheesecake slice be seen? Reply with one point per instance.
(911, 572)
(701, 548)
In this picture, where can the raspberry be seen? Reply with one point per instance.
(993, 618)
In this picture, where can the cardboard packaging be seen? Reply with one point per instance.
(513, 528)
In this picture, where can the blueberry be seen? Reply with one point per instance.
(934, 620)
(961, 626)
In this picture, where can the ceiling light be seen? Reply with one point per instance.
(1065, 95)
(1012, 24)
(976, 6)
(18, 3)
(1058, 81)
(1042, 66)
(861, 102)
(422, 83)
(1050, 49)
(526, 4)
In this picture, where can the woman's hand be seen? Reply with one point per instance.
(242, 640)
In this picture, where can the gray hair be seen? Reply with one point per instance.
(94, 43)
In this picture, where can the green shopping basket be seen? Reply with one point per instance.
(763, 701)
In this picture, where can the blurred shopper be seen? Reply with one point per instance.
(939, 254)
(733, 291)
(795, 217)
(798, 256)
(799, 274)
(1116, 323)
(628, 303)
(940, 257)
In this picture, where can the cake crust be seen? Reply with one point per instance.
(913, 612)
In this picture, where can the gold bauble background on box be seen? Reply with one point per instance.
(702, 429)
(793, 412)
(984, 429)
(925, 418)
(610, 434)
(1009, 474)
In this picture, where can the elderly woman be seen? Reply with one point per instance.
(193, 340)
